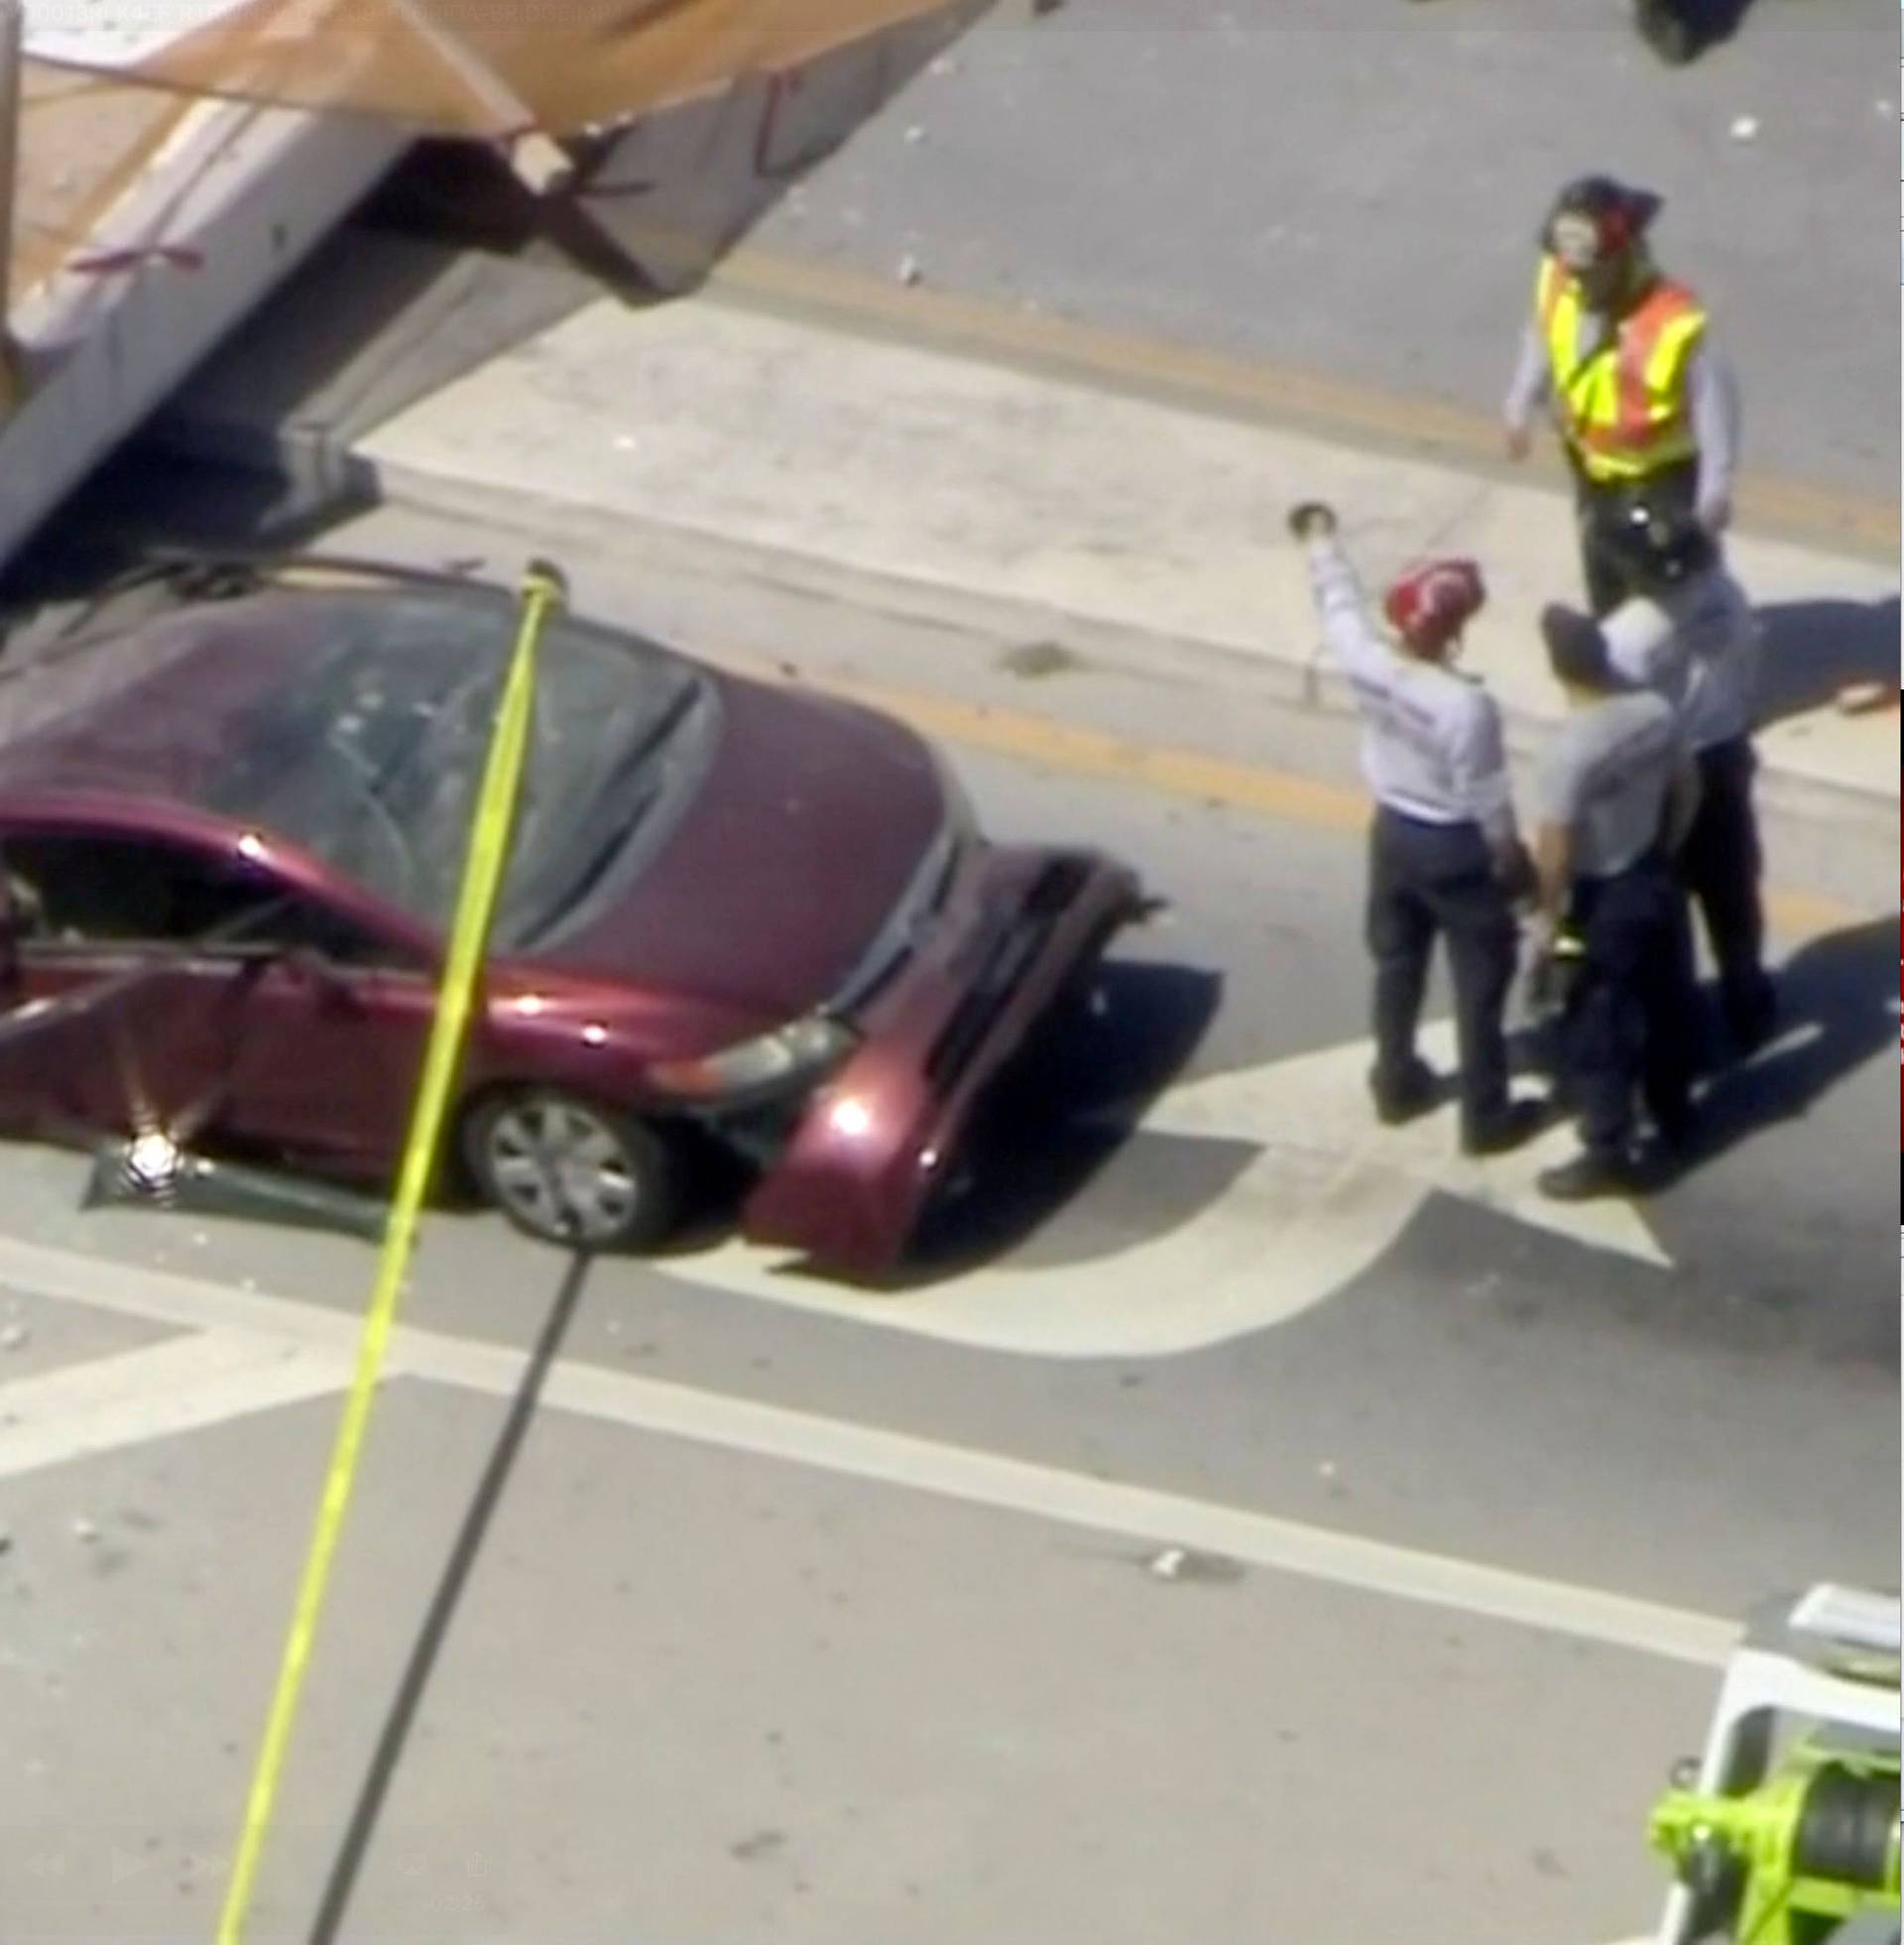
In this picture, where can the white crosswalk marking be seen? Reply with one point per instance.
(183, 1385)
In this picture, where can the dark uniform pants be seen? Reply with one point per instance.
(1674, 487)
(1720, 867)
(1633, 1020)
(1426, 880)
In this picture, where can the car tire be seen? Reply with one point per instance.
(535, 1154)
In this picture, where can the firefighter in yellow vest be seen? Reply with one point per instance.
(1646, 410)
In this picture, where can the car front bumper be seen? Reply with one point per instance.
(874, 1142)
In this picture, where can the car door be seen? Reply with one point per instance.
(331, 1035)
(116, 1025)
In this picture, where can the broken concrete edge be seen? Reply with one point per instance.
(306, 463)
(1294, 679)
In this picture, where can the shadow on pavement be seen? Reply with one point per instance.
(1063, 1111)
(92, 565)
(1838, 1000)
(463, 1553)
(1813, 649)
(656, 202)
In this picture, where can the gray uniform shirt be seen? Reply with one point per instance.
(1712, 386)
(1698, 644)
(1431, 744)
(1605, 778)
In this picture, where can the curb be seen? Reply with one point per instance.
(1239, 389)
(1285, 680)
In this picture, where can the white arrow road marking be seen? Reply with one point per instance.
(1327, 1194)
(320, 1340)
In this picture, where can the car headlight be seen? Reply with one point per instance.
(805, 1050)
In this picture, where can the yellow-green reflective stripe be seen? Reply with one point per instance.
(469, 936)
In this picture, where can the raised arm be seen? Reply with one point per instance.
(1355, 644)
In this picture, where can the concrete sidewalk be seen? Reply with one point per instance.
(930, 472)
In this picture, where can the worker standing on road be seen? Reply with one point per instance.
(1444, 856)
(1643, 405)
(1617, 791)
(1689, 633)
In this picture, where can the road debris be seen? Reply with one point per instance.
(13, 1337)
(1745, 128)
(916, 135)
(1204, 1569)
(1033, 659)
(84, 1531)
(910, 269)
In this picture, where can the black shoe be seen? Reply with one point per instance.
(1674, 40)
(1675, 1130)
(1593, 1172)
(1505, 1128)
(1752, 1021)
(1419, 1093)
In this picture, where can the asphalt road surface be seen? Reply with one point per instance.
(1353, 188)
(1245, 1525)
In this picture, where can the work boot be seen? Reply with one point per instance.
(1511, 1123)
(1592, 1173)
(1418, 1093)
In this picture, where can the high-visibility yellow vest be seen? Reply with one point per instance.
(1625, 411)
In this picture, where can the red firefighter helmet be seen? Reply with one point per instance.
(1431, 604)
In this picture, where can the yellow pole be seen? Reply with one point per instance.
(542, 591)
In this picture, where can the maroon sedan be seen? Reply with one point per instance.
(233, 837)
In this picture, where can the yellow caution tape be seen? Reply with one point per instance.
(542, 591)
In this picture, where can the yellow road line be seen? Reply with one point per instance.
(1241, 386)
(469, 934)
(1261, 792)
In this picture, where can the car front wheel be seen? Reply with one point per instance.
(565, 1171)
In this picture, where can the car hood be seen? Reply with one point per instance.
(804, 833)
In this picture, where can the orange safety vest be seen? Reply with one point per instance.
(1625, 411)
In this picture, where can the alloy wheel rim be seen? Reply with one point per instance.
(554, 1165)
